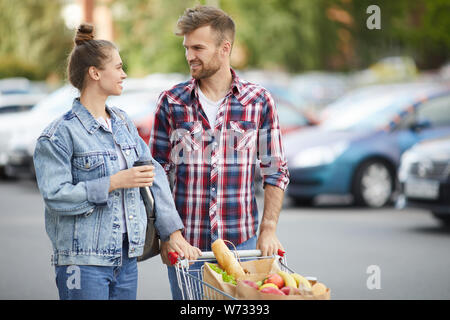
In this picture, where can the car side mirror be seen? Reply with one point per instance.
(420, 125)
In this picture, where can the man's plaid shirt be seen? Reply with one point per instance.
(214, 166)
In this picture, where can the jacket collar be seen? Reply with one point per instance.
(89, 123)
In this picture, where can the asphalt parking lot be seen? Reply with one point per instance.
(358, 253)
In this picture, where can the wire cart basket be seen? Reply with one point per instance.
(190, 273)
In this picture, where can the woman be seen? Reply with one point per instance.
(94, 215)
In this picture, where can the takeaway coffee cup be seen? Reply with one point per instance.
(146, 193)
(151, 247)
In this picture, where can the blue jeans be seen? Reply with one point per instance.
(88, 282)
(250, 244)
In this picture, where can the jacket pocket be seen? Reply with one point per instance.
(130, 153)
(87, 230)
(88, 167)
(242, 134)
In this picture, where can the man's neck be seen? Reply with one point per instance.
(216, 87)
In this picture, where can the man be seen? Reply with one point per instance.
(209, 132)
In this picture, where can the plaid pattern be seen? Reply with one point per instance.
(214, 167)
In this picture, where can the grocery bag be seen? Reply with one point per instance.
(256, 270)
(245, 292)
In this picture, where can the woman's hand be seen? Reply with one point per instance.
(181, 246)
(141, 176)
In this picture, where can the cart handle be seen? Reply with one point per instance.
(173, 255)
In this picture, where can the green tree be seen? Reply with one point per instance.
(426, 32)
(418, 28)
(146, 35)
(273, 33)
(282, 33)
(33, 38)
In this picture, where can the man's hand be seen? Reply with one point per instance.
(268, 241)
(178, 244)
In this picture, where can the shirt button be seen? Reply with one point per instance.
(213, 189)
(131, 217)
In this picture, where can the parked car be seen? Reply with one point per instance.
(389, 69)
(14, 85)
(318, 89)
(19, 102)
(19, 94)
(355, 152)
(18, 133)
(424, 177)
(291, 120)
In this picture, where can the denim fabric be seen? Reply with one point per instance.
(250, 244)
(99, 282)
(74, 159)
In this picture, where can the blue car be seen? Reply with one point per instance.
(355, 151)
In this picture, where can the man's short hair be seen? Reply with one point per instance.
(200, 16)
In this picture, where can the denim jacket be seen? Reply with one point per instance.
(74, 159)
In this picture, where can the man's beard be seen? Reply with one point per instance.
(206, 71)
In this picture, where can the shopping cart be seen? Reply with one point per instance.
(190, 273)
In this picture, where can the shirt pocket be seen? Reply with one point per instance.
(88, 167)
(189, 135)
(243, 134)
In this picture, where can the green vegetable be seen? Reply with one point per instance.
(225, 276)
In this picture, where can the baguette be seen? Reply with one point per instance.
(226, 259)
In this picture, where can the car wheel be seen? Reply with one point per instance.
(373, 184)
(303, 201)
(2, 173)
(444, 218)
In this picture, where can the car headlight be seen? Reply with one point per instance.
(407, 159)
(318, 156)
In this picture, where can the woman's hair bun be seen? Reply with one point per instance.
(85, 32)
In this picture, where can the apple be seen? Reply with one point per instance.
(275, 279)
(287, 290)
(272, 290)
(250, 283)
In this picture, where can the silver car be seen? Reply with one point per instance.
(424, 176)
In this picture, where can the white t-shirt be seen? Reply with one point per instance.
(122, 165)
(121, 158)
(210, 107)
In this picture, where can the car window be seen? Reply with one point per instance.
(365, 115)
(374, 111)
(436, 110)
(290, 117)
(15, 108)
(57, 103)
(407, 121)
